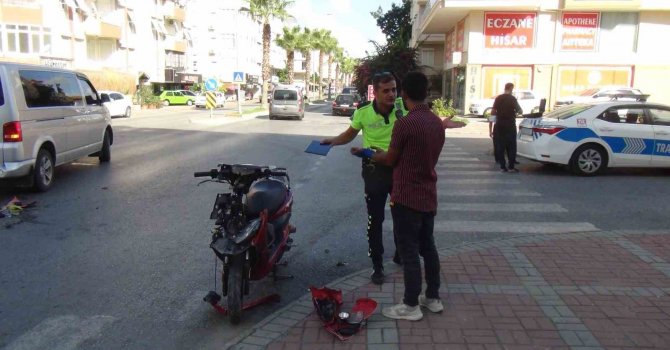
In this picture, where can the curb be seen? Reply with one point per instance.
(225, 119)
(276, 325)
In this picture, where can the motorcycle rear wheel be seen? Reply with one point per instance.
(235, 288)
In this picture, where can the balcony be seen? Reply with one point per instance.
(97, 27)
(24, 12)
(174, 12)
(174, 44)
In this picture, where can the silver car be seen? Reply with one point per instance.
(49, 117)
(287, 102)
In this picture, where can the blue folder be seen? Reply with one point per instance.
(317, 148)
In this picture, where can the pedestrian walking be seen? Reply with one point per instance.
(376, 120)
(505, 108)
(415, 147)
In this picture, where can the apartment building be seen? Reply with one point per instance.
(226, 40)
(110, 40)
(555, 47)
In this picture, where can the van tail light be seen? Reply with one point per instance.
(11, 132)
(548, 129)
(334, 104)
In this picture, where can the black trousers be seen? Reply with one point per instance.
(414, 230)
(378, 181)
(506, 144)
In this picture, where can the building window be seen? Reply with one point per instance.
(618, 31)
(105, 6)
(175, 60)
(428, 57)
(25, 39)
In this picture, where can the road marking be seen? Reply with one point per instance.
(454, 153)
(459, 159)
(509, 227)
(450, 192)
(61, 333)
(467, 172)
(463, 165)
(476, 182)
(503, 207)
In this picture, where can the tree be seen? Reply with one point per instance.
(321, 43)
(396, 23)
(264, 11)
(331, 48)
(348, 67)
(289, 42)
(305, 44)
(339, 59)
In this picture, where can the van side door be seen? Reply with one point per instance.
(51, 101)
(95, 118)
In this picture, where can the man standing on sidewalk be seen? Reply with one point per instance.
(415, 148)
(505, 109)
(376, 120)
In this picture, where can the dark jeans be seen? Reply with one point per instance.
(378, 181)
(414, 230)
(506, 144)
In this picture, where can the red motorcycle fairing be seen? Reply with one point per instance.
(268, 258)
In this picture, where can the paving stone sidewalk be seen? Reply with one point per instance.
(596, 290)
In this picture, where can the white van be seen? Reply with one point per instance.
(287, 101)
(49, 117)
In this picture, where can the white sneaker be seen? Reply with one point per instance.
(434, 305)
(403, 312)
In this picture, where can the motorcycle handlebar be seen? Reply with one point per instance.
(212, 173)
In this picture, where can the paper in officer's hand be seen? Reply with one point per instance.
(315, 147)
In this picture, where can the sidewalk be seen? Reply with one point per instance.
(570, 291)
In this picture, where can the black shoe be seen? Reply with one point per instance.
(503, 170)
(377, 276)
(513, 170)
(396, 259)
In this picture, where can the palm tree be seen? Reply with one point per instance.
(264, 11)
(289, 42)
(331, 47)
(348, 68)
(339, 59)
(321, 43)
(305, 44)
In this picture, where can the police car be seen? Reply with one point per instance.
(590, 137)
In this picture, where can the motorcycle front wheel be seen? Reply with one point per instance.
(235, 288)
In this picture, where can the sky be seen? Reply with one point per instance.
(349, 20)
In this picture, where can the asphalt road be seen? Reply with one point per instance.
(116, 256)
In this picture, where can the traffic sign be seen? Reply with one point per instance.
(211, 100)
(238, 77)
(211, 84)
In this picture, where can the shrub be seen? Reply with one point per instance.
(442, 108)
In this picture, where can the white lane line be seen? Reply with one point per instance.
(441, 182)
(463, 165)
(459, 159)
(61, 333)
(499, 207)
(455, 153)
(467, 172)
(450, 192)
(509, 227)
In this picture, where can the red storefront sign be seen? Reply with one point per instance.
(580, 31)
(449, 46)
(504, 30)
(460, 35)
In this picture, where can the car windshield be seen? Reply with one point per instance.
(285, 95)
(567, 111)
(345, 99)
(588, 92)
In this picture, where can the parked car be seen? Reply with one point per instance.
(172, 97)
(346, 104)
(590, 137)
(201, 100)
(119, 105)
(49, 117)
(287, 101)
(528, 100)
(188, 93)
(599, 94)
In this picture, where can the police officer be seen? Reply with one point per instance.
(376, 120)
